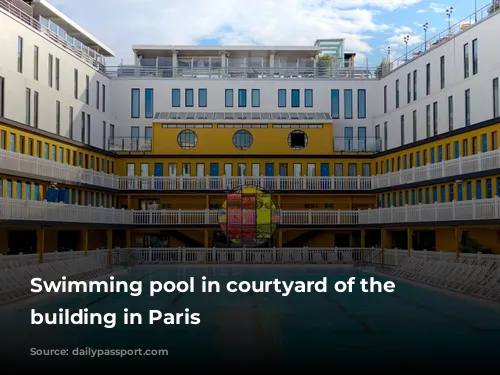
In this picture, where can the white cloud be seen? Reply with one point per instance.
(122, 23)
(422, 11)
(402, 29)
(398, 40)
(438, 8)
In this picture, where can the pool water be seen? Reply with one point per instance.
(401, 329)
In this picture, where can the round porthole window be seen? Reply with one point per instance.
(187, 139)
(242, 139)
(297, 140)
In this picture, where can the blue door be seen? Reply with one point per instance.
(484, 143)
(413, 197)
(440, 153)
(383, 201)
(418, 159)
(36, 192)
(479, 190)
(405, 162)
(214, 172)
(457, 150)
(488, 188)
(400, 198)
(432, 155)
(427, 195)
(498, 187)
(450, 193)
(419, 196)
(469, 191)
(325, 170)
(459, 192)
(63, 196)
(434, 194)
(158, 173)
(269, 173)
(443, 194)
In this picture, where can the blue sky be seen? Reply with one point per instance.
(369, 26)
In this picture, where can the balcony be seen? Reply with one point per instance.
(368, 144)
(130, 144)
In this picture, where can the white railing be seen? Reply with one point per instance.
(15, 161)
(472, 210)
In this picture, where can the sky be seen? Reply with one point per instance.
(368, 26)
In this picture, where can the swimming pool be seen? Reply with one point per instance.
(402, 329)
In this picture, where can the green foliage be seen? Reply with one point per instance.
(494, 7)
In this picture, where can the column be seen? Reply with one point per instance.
(127, 239)
(175, 62)
(129, 202)
(409, 240)
(458, 240)
(363, 235)
(272, 65)
(85, 241)
(207, 202)
(40, 243)
(109, 243)
(279, 238)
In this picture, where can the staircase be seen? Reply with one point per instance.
(301, 239)
(187, 241)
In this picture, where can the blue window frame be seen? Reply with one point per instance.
(450, 193)
(418, 158)
(383, 200)
(335, 103)
(202, 97)
(457, 150)
(36, 192)
(407, 197)
(135, 103)
(387, 166)
(484, 143)
(440, 154)
(46, 151)
(459, 192)
(12, 142)
(427, 195)
(498, 187)
(9, 189)
(255, 98)
(80, 159)
(308, 98)
(73, 196)
(189, 97)
(176, 97)
(61, 155)
(242, 97)
(348, 139)
(361, 103)
(28, 191)
(432, 155)
(148, 105)
(134, 132)
(229, 97)
(400, 198)
(489, 193)
(443, 193)
(295, 98)
(281, 98)
(148, 134)
(479, 190)
(19, 190)
(413, 197)
(362, 138)
(53, 153)
(469, 191)
(91, 162)
(102, 160)
(434, 194)
(348, 103)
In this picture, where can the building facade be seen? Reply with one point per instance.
(155, 153)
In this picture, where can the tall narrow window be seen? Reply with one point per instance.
(435, 117)
(229, 98)
(135, 103)
(348, 139)
(496, 102)
(408, 88)
(58, 117)
(19, 54)
(104, 98)
(335, 103)
(70, 114)
(58, 63)
(428, 120)
(35, 62)
(75, 83)
(134, 133)
(467, 107)
(242, 98)
(255, 98)
(189, 97)
(51, 70)
(308, 98)
(385, 136)
(88, 128)
(428, 79)
(450, 113)
(414, 125)
(475, 66)
(176, 97)
(148, 105)
(281, 98)
(397, 93)
(361, 138)
(202, 98)
(414, 85)
(104, 135)
(28, 106)
(295, 98)
(402, 130)
(385, 99)
(348, 103)
(148, 133)
(83, 128)
(377, 138)
(2, 96)
(443, 72)
(35, 109)
(97, 94)
(466, 60)
(362, 103)
(87, 90)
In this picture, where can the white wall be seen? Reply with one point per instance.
(16, 83)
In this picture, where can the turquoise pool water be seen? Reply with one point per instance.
(407, 327)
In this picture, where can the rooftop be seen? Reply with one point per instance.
(304, 117)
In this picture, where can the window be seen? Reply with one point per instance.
(97, 94)
(385, 99)
(88, 128)
(46, 151)
(474, 145)
(348, 103)
(428, 79)
(242, 98)
(104, 135)
(348, 139)
(435, 117)
(352, 170)
(104, 98)
(28, 106)
(361, 103)
(111, 131)
(35, 62)
(148, 133)
(465, 148)
(82, 130)
(415, 126)
(58, 117)
(295, 98)
(71, 122)
(377, 138)
(297, 140)
(229, 97)
(335, 103)
(242, 139)
(474, 57)
(19, 54)
(362, 138)
(134, 133)
(51, 70)
(428, 120)
(202, 98)
(496, 102)
(255, 98)
(187, 139)
(12, 145)
(414, 85)
(466, 60)
(397, 93)
(467, 107)
(402, 130)
(87, 90)
(75, 83)
(308, 98)
(35, 109)
(2, 96)
(53, 153)
(148, 103)
(494, 140)
(281, 98)
(442, 72)
(408, 88)
(135, 105)
(189, 97)
(385, 135)
(176, 97)
(450, 113)
(57, 74)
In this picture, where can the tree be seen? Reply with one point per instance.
(382, 69)
(325, 64)
(494, 7)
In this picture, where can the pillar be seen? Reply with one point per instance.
(85, 241)
(127, 239)
(40, 243)
(385, 238)
(109, 244)
(350, 238)
(206, 239)
(458, 239)
(279, 239)
(363, 235)
(409, 240)
(207, 202)
(129, 202)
